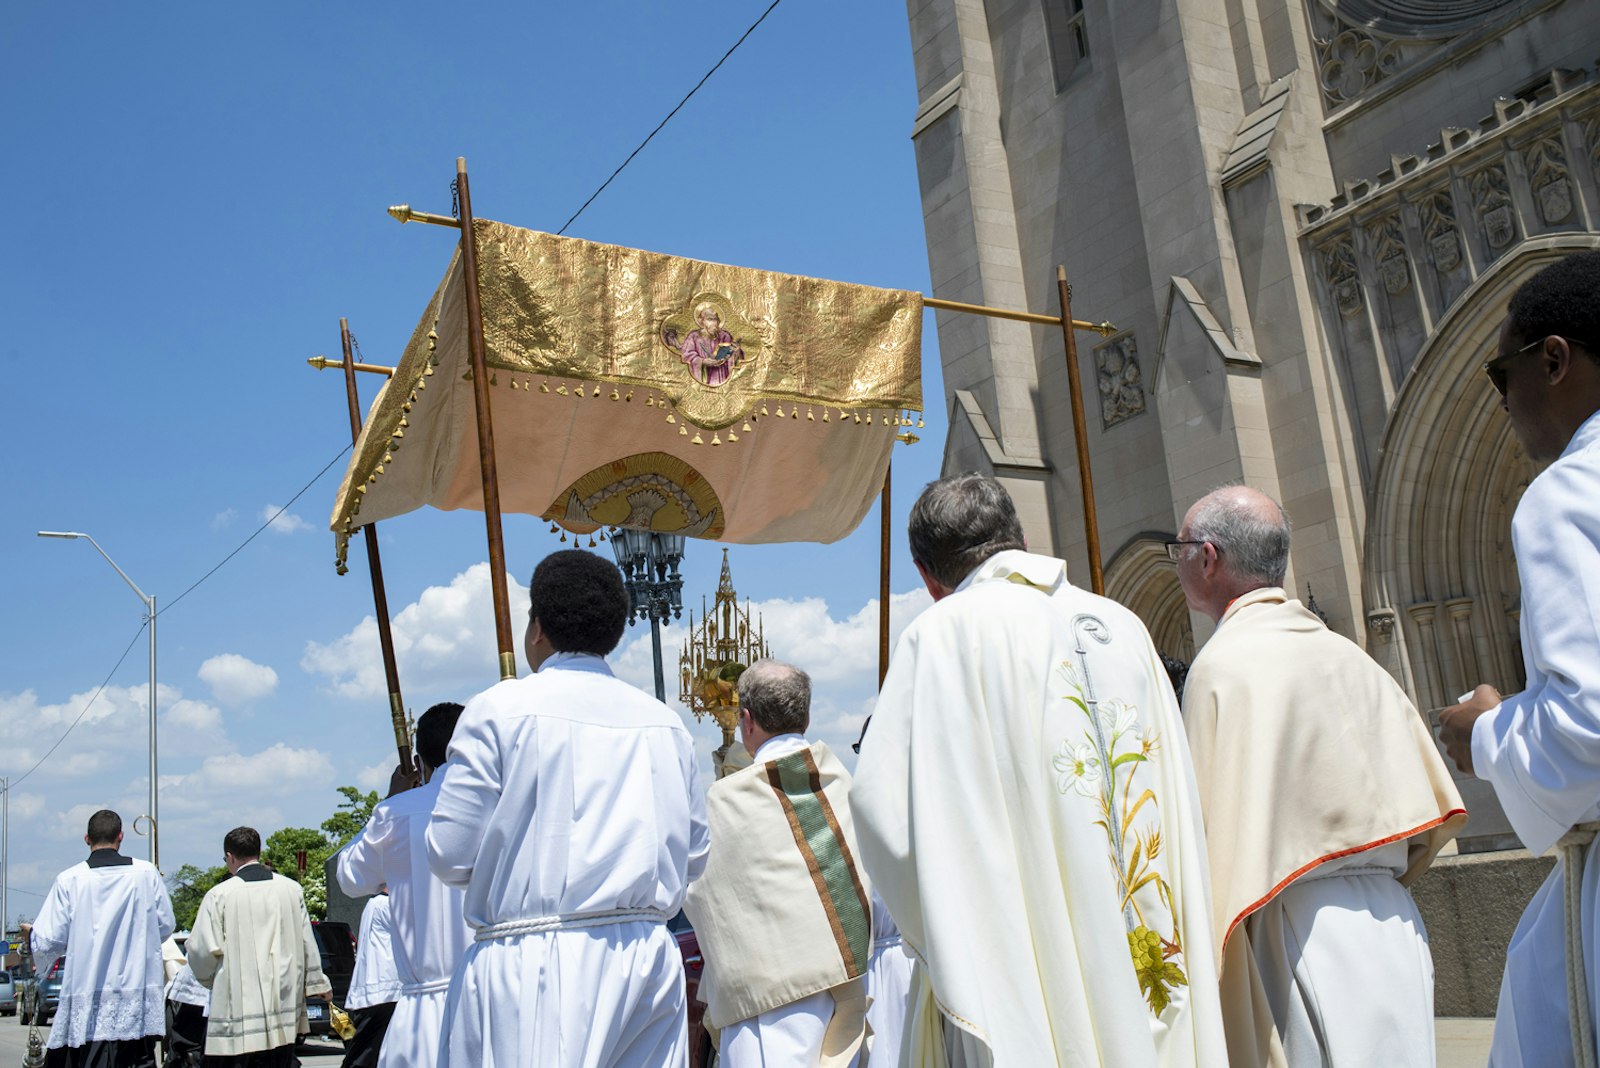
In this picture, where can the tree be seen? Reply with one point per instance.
(188, 886)
(351, 816)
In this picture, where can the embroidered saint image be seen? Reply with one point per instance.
(711, 352)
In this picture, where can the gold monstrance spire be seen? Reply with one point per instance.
(720, 646)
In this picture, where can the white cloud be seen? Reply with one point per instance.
(376, 776)
(224, 518)
(444, 642)
(287, 523)
(234, 679)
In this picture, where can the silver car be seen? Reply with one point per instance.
(8, 994)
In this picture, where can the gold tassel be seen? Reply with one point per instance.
(696, 439)
(562, 389)
(650, 401)
(596, 392)
(591, 541)
(858, 418)
(732, 437)
(427, 372)
(810, 417)
(616, 394)
(671, 418)
(764, 409)
(715, 440)
(387, 457)
(514, 384)
(563, 537)
(544, 387)
(794, 413)
(683, 431)
(554, 529)
(824, 415)
(377, 471)
(577, 393)
(746, 427)
(780, 411)
(629, 397)
(602, 535)
(920, 423)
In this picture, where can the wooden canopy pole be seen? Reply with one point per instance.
(883, 578)
(380, 600)
(1080, 434)
(480, 397)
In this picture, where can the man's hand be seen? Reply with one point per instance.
(405, 778)
(1455, 725)
(25, 929)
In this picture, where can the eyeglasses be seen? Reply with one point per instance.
(1173, 548)
(1495, 367)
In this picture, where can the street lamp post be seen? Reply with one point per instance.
(150, 617)
(649, 565)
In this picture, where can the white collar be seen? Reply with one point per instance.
(779, 745)
(576, 662)
(1587, 435)
(1015, 565)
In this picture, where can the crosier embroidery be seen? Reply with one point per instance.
(1104, 768)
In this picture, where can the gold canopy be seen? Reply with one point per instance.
(633, 388)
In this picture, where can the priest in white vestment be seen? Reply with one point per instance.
(1324, 797)
(888, 986)
(782, 911)
(1025, 805)
(430, 934)
(1540, 748)
(253, 948)
(374, 984)
(572, 813)
(107, 916)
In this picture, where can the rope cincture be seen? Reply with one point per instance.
(1572, 847)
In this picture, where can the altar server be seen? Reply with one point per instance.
(572, 813)
(253, 948)
(106, 917)
(1025, 805)
(374, 984)
(1324, 797)
(782, 911)
(1540, 749)
(430, 935)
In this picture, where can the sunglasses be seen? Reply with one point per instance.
(1495, 368)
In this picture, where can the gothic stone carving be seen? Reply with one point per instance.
(1592, 139)
(1339, 266)
(1439, 231)
(1121, 381)
(1351, 59)
(1547, 175)
(1389, 250)
(1491, 195)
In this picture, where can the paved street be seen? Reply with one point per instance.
(14, 1043)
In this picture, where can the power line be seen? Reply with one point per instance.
(252, 537)
(668, 119)
(18, 780)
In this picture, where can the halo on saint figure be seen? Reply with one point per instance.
(711, 339)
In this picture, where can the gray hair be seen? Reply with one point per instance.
(958, 523)
(778, 696)
(1254, 546)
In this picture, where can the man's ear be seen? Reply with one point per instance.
(936, 589)
(1555, 359)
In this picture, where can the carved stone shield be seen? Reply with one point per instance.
(1347, 295)
(1555, 199)
(1499, 226)
(1446, 249)
(1396, 273)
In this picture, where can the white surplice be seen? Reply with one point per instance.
(572, 813)
(374, 981)
(107, 916)
(430, 934)
(252, 947)
(1540, 748)
(888, 985)
(1026, 806)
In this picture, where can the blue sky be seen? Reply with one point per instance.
(196, 195)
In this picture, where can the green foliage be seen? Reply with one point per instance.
(188, 885)
(351, 815)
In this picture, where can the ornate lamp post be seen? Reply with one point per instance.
(649, 565)
(719, 648)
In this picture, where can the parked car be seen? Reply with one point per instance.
(40, 994)
(8, 993)
(338, 945)
(701, 1052)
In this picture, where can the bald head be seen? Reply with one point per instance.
(1241, 541)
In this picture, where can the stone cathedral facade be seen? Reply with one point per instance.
(1306, 217)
